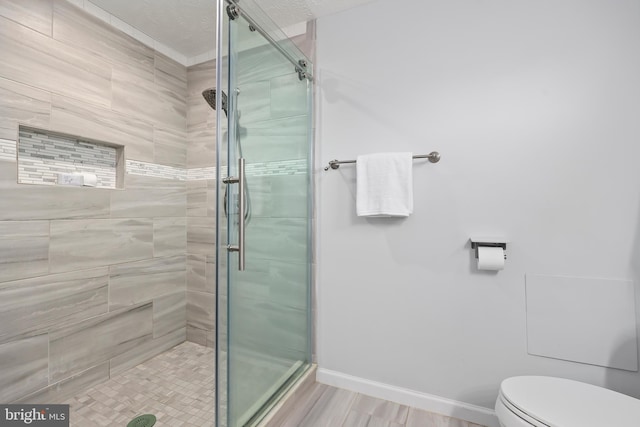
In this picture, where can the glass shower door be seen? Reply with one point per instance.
(264, 329)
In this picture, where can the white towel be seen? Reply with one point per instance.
(385, 184)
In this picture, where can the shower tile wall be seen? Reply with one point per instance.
(92, 281)
(201, 193)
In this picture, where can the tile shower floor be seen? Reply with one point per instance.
(176, 386)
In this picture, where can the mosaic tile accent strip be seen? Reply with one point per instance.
(282, 167)
(136, 167)
(42, 156)
(7, 150)
(198, 174)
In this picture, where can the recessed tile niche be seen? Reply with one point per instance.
(51, 158)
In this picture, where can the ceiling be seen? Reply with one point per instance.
(188, 26)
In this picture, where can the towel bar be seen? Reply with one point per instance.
(434, 157)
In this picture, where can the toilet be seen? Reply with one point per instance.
(557, 402)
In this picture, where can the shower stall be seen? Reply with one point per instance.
(263, 215)
(139, 227)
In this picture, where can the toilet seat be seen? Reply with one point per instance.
(512, 416)
(557, 402)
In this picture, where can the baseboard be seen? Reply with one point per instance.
(415, 399)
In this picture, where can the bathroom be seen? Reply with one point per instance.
(532, 106)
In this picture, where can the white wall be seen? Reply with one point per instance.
(535, 108)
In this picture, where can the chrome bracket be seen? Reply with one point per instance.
(233, 11)
(302, 69)
(231, 180)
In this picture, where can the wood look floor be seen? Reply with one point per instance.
(326, 406)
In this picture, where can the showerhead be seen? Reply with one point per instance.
(210, 96)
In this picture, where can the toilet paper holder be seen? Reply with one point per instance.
(491, 242)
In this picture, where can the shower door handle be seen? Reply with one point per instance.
(241, 207)
(240, 247)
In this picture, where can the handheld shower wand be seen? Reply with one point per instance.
(210, 96)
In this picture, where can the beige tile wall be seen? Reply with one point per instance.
(91, 280)
(201, 129)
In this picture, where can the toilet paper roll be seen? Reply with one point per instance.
(490, 258)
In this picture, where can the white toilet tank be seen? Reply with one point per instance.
(557, 402)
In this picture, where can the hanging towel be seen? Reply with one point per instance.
(385, 184)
